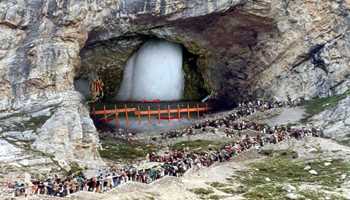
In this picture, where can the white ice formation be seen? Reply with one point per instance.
(153, 72)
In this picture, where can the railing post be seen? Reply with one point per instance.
(116, 116)
(126, 116)
(198, 114)
(169, 113)
(178, 111)
(149, 115)
(158, 113)
(139, 114)
(188, 112)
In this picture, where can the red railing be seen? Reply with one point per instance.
(139, 113)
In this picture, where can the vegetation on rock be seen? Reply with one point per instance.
(120, 150)
(317, 105)
(202, 192)
(197, 145)
(265, 179)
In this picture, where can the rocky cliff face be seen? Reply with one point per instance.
(335, 122)
(265, 48)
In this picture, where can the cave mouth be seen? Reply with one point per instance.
(108, 62)
(119, 64)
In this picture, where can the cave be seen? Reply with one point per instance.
(214, 65)
(141, 71)
(110, 61)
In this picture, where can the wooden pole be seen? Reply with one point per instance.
(149, 114)
(169, 113)
(178, 111)
(198, 114)
(139, 114)
(116, 117)
(158, 113)
(188, 112)
(126, 116)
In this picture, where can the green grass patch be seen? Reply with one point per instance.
(229, 190)
(197, 145)
(226, 188)
(317, 105)
(202, 191)
(317, 195)
(285, 170)
(120, 150)
(215, 197)
(218, 184)
(264, 179)
(280, 153)
(266, 192)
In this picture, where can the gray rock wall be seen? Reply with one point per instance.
(309, 57)
(335, 122)
(266, 48)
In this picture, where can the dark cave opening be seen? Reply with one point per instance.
(106, 61)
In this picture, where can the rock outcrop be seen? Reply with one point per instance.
(335, 122)
(245, 48)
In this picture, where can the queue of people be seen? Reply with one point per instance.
(228, 120)
(175, 162)
(172, 163)
(180, 161)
